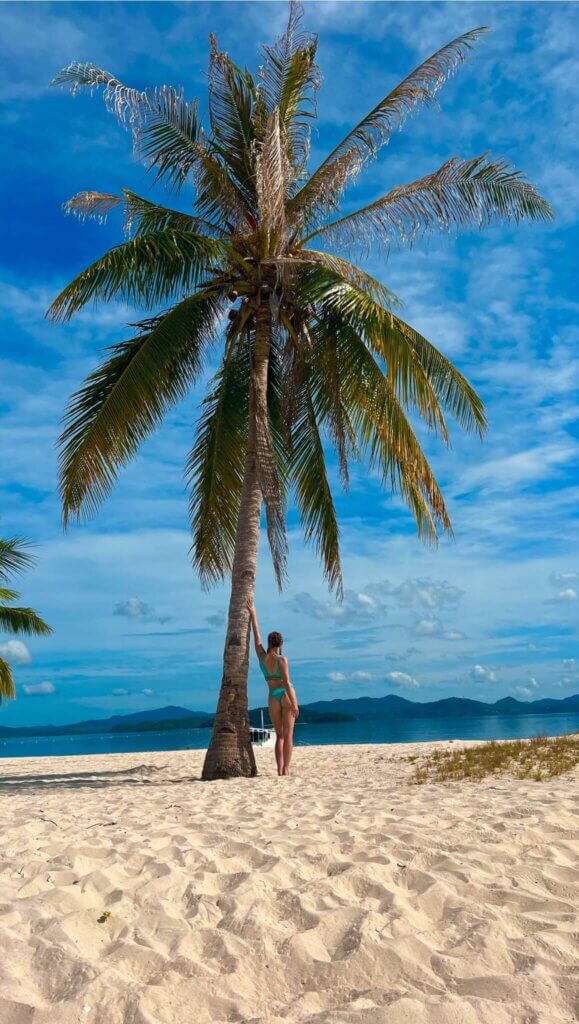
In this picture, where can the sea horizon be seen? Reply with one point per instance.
(360, 731)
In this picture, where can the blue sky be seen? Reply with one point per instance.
(492, 613)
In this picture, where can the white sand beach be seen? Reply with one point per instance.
(340, 894)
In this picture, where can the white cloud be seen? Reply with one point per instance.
(119, 692)
(564, 584)
(15, 652)
(566, 595)
(418, 592)
(403, 679)
(523, 691)
(569, 664)
(350, 677)
(39, 689)
(373, 603)
(432, 627)
(148, 692)
(527, 690)
(479, 672)
(309, 606)
(510, 471)
(558, 578)
(337, 677)
(428, 627)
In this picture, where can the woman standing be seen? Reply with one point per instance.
(283, 703)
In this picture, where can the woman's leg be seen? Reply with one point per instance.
(288, 722)
(275, 714)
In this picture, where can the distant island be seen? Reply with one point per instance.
(165, 719)
(352, 709)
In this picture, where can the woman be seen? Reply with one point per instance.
(283, 703)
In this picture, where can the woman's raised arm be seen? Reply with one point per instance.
(259, 648)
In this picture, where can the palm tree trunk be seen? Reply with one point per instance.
(230, 753)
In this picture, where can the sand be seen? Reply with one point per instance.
(339, 894)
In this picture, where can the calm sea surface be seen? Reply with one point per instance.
(391, 731)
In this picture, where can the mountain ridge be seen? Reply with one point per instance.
(348, 709)
(454, 707)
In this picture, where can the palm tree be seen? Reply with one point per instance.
(14, 559)
(312, 348)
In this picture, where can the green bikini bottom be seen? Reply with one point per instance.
(277, 693)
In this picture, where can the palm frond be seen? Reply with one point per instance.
(216, 463)
(269, 477)
(375, 129)
(7, 595)
(390, 339)
(168, 138)
(461, 193)
(150, 269)
(320, 198)
(141, 215)
(327, 381)
(452, 389)
(124, 400)
(312, 489)
(290, 79)
(233, 98)
(219, 198)
(14, 557)
(127, 104)
(23, 620)
(291, 373)
(164, 125)
(89, 205)
(343, 271)
(277, 385)
(7, 688)
(395, 450)
(383, 430)
(419, 373)
(271, 183)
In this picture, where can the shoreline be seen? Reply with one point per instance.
(264, 754)
(360, 733)
(339, 894)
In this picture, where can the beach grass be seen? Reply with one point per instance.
(538, 759)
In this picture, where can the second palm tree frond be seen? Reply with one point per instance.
(15, 558)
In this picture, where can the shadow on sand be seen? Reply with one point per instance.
(141, 775)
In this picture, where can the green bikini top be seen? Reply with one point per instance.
(268, 675)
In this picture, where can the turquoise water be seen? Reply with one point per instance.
(391, 731)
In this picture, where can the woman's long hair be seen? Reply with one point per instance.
(274, 640)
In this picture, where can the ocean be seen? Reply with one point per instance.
(390, 731)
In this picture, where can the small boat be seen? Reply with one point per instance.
(262, 736)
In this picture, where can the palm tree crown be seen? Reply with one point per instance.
(313, 348)
(254, 249)
(15, 559)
